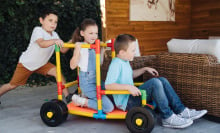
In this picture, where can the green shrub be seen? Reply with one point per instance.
(19, 17)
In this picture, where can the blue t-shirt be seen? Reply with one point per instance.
(120, 72)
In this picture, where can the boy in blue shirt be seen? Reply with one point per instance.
(120, 77)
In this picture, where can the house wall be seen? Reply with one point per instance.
(205, 18)
(152, 35)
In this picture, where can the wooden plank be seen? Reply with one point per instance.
(205, 6)
(152, 35)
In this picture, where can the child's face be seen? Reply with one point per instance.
(130, 52)
(49, 23)
(90, 34)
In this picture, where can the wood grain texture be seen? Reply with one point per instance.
(205, 18)
(152, 36)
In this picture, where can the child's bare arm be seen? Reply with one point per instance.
(64, 50)
(47, 43)
(76, 57)
(132, 89)
(140, 71)
(102, 55)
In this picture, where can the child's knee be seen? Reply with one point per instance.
(156, 81)
(163, 79)
(52, 72)
(109, 108)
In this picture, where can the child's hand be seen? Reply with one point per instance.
(59, 43)
(152, 71)
(134, 90)
(77, 45)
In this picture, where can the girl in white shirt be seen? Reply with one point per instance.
(87, 33)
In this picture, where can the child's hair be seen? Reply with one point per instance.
(122, 41)
(85, 23)
(46, 12)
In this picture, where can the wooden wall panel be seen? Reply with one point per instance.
(152, 36)
(205, 18)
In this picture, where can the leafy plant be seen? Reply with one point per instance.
(19, 17)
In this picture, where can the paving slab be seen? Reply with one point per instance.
(20, 113)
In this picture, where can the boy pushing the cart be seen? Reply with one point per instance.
(36, 58)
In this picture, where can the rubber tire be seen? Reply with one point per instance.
(59, 109)
(64, 108)
(146, 114)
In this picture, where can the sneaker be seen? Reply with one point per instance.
(192, 113)
(68, 98)
(176, 122)
(78, 101)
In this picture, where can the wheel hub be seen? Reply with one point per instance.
(139, 121)
(49, 115)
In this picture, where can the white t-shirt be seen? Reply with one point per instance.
(35, 57)
(84, 59)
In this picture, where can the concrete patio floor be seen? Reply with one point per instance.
(20, 113)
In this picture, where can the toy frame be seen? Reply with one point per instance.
(56, 111)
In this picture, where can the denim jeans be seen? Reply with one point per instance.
(160, 90)
(87, 82)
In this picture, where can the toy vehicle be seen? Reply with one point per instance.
(54, 112)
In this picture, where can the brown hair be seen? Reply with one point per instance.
(46, 12)
(85, 23)
(122, 41)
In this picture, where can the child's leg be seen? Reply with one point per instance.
(172, 97)
(107, 105)
(156, 92)
(52, 72)
(19, 77)
(177, 105)
(50, 69)
(87, 82)
(7, 87)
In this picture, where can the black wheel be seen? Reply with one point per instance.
(140, 120)
(53, 113)
(64, 108)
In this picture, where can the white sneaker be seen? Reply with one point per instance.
(78, 101)
(176, 122)
(192, 113)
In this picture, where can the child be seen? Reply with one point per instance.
(87, 33)
(120, 77)
(35, 58)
